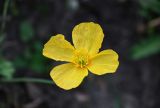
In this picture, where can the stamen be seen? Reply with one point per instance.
(81, 59)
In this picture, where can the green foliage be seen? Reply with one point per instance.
(151, 45)
(6, 69)
(2, 37)
(149, 6)
(26, 31)
(32, 58)
(146, 48)
(37, 62)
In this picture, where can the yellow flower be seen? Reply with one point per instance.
(83, 56)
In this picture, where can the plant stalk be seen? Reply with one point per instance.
(26, 80)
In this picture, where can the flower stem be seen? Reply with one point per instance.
(4, 15)
(24, 80)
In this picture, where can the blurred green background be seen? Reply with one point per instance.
(131, 28)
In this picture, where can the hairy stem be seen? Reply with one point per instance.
(24, 80)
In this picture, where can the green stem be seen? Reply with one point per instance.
(24, 80)
(4, 15)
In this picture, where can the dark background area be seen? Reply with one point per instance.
(131, 28)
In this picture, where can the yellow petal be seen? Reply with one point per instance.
(68, 76)
(88, 36)
(58, 48)
(105, 62)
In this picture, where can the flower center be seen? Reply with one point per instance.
(81, 59)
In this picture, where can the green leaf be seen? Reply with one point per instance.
(146, 48)
(26, 31)
(6, 69)
(148, 6)
(32, 58)
(20, 62)
(37, 62)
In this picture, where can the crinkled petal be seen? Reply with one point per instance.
(58, 48)
(68, 76)
(88, 36)
(105, 62)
